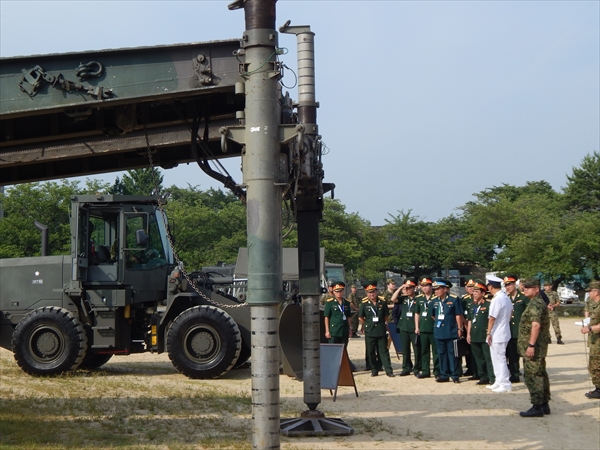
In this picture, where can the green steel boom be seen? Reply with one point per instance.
(72, 114)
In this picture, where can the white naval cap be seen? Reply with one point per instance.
(493, 279)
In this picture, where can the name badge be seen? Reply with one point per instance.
(475, 320)
(343, 316)
(375, 319)
(424, 313)
(441, 316)
(408, 314)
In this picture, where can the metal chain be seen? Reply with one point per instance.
(169, 237)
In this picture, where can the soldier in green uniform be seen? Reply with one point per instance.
(519, 302)
(337, 318)
(406, 327)
(592, 329)
(467, 304)
(477, 316)
(424, 329)
(554, 303)
(534, 336)
(373, 315)
(354, 300)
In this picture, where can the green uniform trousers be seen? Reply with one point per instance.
(378, 351)
(536, 380)
(594, 365)
(483, 360)
(512, 358)
(409, 339)
(555, 323)
(428, 349)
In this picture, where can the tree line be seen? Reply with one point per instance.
(530, 230)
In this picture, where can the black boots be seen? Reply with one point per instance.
(593, 394)
(534, 411)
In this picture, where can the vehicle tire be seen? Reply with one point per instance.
(204, 342)
(245, 354)
(49, 341)
(94, 361)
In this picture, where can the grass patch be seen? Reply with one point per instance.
(107, 409)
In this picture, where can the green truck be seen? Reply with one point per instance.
(119, 292)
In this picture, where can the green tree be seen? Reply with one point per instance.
(346, 237)
(209, 226)
(48, 203)
(582, 191)
(138, 182)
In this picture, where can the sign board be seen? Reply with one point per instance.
(335, 368)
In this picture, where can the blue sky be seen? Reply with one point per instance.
(422, 104)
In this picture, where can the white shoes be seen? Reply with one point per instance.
(493, 386)
(502, 389)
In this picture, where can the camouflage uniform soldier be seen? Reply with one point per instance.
(354, 300)
(534, 336)
(389, 291)
(592, 309)
(329, 294)
(519, 302)
(554, 303)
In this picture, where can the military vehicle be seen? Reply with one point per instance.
(119, 292)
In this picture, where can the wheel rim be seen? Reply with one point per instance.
(202, 344)
(46, 343)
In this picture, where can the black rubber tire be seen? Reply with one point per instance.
(94, 361)
(204, 342)
(245, 354)
(49, 341)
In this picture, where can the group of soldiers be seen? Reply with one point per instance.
(443, 328)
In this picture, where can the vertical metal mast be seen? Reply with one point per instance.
(263, 202)
(309, 207)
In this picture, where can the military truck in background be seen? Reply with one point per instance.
(119, 292)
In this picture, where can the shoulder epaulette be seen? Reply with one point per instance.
(381, 297)
(330, 299)
(365, 300)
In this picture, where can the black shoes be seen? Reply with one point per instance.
(515, 379)
(422, 375)
(442, 380)
(482, 382)
(374, 374)
(560, 342)
(534, 411)
(473, 378)
(404, 374)
(593, 394)
(391, 374)
(455, 380)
